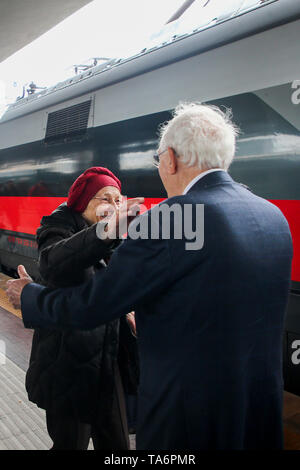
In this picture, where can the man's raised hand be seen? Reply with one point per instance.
(15, 286)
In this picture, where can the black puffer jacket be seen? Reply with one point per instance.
(70, 372)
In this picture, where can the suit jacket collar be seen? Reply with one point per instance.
(212, 179)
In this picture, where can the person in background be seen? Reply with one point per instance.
(74, 375)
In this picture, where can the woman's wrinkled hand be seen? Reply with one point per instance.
(116, 223)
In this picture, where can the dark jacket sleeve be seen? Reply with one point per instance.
(137, 272)
(63, 253)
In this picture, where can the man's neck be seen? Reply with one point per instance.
(198, 177)
(185, 179)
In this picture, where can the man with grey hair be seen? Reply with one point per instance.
(210, 319)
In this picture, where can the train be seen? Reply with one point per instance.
(108, 115)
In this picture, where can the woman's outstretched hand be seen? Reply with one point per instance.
(116, 223)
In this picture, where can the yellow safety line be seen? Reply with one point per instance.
(4, 302)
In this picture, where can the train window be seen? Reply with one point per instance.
(268, 120)
(68, 123)
(267, 156)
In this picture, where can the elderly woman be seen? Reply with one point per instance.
(74, 375)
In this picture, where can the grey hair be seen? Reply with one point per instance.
(202, 136)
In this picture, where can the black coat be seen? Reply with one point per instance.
(70, 372)
(209, 321)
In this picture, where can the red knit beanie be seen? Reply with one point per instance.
(88, 184)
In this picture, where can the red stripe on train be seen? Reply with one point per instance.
(291, 211)
(23, 214)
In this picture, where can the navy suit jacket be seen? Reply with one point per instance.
(209, 321)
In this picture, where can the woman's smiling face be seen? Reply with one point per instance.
(106, 201)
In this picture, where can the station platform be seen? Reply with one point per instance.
(23, 424)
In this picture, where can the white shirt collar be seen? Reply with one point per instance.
(198, 177)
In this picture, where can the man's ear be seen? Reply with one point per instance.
(172, 161)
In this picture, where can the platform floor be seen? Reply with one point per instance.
(23, 425)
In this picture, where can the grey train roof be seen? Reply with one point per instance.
(223, 30)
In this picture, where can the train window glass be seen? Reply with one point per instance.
(267, 155)
(269, 122)
(68, 123)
